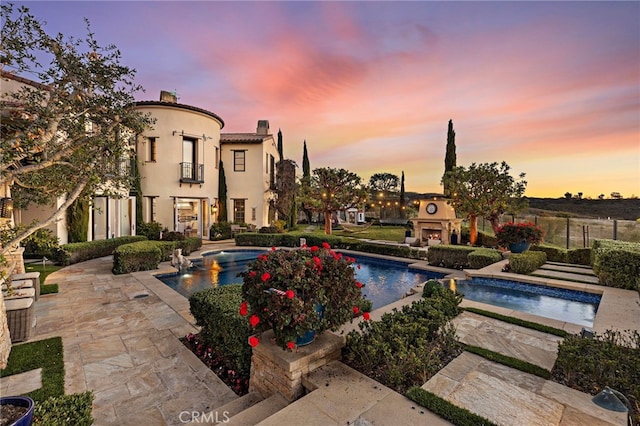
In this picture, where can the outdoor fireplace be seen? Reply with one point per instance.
(436, 222)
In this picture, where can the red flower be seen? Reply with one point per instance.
(262, 257)
(254, 320)
(315, 248)
(356, 310)
(253, 341)
(265, 276)
(317, 261)
(326, 245)
(290, 294)
(244, 309)
(291, 345)
(359, 284)
(273, 248)
(358, 266)
(366, 316)
(252, 273)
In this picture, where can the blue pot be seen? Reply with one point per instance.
(520, 247)
(20, 401)
(310, 335)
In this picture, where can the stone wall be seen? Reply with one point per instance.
(276, 370)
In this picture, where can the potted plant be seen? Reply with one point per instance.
(17, 410)
(297, 293)
(518, 237)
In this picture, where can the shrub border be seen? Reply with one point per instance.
(509, 361)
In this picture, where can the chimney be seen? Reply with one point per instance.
(263, 127)
(168, 97)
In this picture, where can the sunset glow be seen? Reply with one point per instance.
(552, 88)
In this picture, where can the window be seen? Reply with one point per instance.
(253, 213)
(238, 210)
(151, 208)
(266, 163)
(217, 159)
(239, 161)
(151, 154)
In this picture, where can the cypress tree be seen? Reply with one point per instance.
(450, 156)
(222, 193)
(306, 176)
(78, 221)
(136, 190)
(402, 200)
(280, 152)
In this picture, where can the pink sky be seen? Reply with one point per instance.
(552, 88)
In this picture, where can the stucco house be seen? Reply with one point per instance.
(250, 169)
(179, 167)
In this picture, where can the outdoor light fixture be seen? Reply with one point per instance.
(6, 208)
(613, 400)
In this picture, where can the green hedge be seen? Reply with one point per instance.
(449, 256)
(610, 359)
(74, 409)
(617, 263)
(482, 257)
(292, 239)
(554, 253)
(216, 310)
(527, 262)
(80, 252)
(486, 240)
(579, 256)
(420, 335)
(448, 411)
(140, 256)
(509, 361)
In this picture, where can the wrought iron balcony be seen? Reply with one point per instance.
(191, 173)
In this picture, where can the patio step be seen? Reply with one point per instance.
(257, 411)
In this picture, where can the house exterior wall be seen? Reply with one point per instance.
(253, 184)
(179, 206)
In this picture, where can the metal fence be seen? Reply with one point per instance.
(574, 232)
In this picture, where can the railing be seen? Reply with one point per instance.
(575, 232)
(191, 173)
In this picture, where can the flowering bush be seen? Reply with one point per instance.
(511, 233)
(296, 291)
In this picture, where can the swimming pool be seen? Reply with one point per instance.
(573, 306)
(385, 280)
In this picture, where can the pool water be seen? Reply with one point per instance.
(573, 306)
(385, 280)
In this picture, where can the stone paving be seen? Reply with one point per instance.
(121, 340)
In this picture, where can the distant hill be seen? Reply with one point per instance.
(625, 209)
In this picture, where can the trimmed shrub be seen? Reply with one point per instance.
(292, 239)
(482, 257)
(610, 359)
(408, 346)
(617, 263)
(40, 244)
(80, 252)
(151, 230)
(216, 311)
(220, 231)
(579, 256)
(527, 262)
(140, 256)
(74, 409)
(166, 250)
(448, 256)
(486, 240)
(189, 245)
(554, 253)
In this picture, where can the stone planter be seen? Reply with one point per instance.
(276, 370)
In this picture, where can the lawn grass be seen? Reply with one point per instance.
(48, 289)
(45, 354)
(44, 271)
